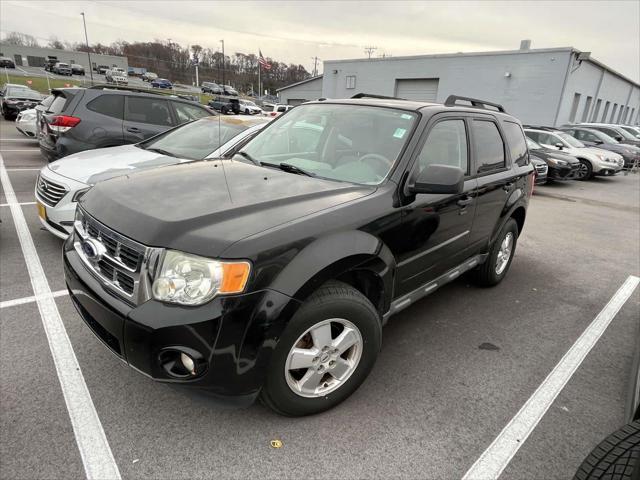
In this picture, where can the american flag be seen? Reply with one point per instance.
(263, 62)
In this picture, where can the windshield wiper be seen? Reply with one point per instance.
(161, 151)
(288, 167)
(248, 157)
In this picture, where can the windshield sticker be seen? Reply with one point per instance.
(406, 116)
(399, 133)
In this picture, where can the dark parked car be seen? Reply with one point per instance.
(61, 68)
(562, 166)
(211, 87)
(225, 104)
(272, 273)
(595, 138)
(614, 131)
(540, 167)
(15, 98)
(161, 83)
(229, 90)
(6, 62)
(77, 69)
(50, 63)
(121, 116)
(102, 69)
(617, 457)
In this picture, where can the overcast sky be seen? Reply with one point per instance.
(294, 32)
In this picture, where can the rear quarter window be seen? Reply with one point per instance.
(517, 143)
(58, 104)
(489, 147)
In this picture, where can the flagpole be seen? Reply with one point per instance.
(259, 88)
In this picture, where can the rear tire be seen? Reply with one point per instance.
(585, 172)
(497, 264)
(334, 305)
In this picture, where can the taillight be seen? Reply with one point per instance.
(273, 114)
(62, 123)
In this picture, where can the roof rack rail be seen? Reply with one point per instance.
(452, 100)
(371, 95)
(540, 127)
(106, 86)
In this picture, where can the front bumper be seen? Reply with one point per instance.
(232, 337)
(59, 218)
(566, 172)
(602, 167)
(27, 126)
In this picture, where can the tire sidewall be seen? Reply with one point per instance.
(589, 170)
(365, 319)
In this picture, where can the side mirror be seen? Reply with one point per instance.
(619, 138)
(559, 146)
(439, 179)
(598, 142)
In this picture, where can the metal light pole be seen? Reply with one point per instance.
(87, 40)
(223, 80)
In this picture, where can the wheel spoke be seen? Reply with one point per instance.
(310, 380)
(341, 368)
(321, 336)
(302, 358)
(345, 340)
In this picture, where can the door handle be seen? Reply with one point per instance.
(133, 130)
(507, 186)
(463, 202)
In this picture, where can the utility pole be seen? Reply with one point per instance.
(369, 50)
(223, 80)
(315, 66)
(87, 40)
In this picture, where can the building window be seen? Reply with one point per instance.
(620, 114)
(613, 112)
(350, 81)
(574, 107)
(594, 117)
(633, 110)
(587, 107)
(606, 110)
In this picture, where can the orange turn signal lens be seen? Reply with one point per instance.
(234, 277)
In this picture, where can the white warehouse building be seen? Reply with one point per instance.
(547, 86)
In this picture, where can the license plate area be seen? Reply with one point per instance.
(42, 211)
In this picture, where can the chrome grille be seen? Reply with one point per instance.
(120, 265)
(50, 192)
(542, 168)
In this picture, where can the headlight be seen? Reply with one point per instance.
(558, 162)
(193, 280)
(78, 195)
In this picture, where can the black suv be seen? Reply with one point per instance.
(16, 98)
(82, 119)
(272, 273)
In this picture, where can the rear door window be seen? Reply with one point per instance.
(517, 143)
(148, 110)
(489, 146)
(110, 105)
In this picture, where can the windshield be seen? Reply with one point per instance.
(533, 145)
(632, 131)
(626, 134)
(603, 137)
(570, 140)
(350, 143)
(23, 93)
(196, 140)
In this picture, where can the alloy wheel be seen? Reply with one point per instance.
(504, 254)
(323, 358)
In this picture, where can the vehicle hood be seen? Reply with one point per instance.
(204, 207)
(619, 148)
(592, 152)
(546, 153)
(93, 166)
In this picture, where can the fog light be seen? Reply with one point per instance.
(188, 363)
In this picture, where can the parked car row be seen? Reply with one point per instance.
(600, 156)
(215, 89)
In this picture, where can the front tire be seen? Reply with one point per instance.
(585, 172)
(497, 264)
(325, 353)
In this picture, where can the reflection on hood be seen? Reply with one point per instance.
(160, 161)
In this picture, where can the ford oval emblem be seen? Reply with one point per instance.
(93, 249)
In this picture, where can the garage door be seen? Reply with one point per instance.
(422, 89)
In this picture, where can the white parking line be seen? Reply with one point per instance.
(33, 298)
(495, 458)
(23, 150)
(20, 203)
(94, 448)
(18, 169)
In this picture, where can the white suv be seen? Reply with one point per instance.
(593, 161)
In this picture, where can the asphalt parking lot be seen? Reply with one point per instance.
(455, 368)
